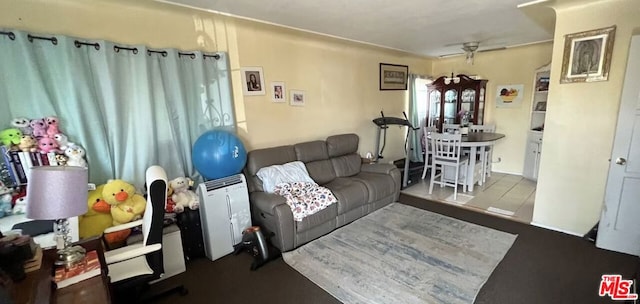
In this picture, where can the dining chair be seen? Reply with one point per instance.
(446, 128)
(447, 153)
(428, 150)
(487, 157)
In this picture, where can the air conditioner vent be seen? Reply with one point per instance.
(223, 182)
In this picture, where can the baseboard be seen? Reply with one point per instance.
(506, 172)
(556, 229)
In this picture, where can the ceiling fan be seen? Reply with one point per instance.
(470, 49)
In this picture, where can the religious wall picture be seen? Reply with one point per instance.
(297, 98)
(393, 76)
(509, 95)
(252, 81)
(587, 55)
(277, 91)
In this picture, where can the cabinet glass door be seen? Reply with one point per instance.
(450, 103)
(481, 107)
(434, 108)
(468, 99)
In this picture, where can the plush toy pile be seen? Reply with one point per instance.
(32, 142)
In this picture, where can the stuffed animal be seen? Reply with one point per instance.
(38, 127)
(5, 205)
(46, 145)
(61, 160)
(28, 144)
(126, 205)
(22, 124)
(62, 141)
(75, 156)
(21, 206)
(10, 137)
(52, 125)
(98, 216)
(182, 196)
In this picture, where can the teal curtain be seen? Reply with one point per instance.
(129, 106)
(415, 155)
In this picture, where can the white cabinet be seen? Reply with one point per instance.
(536, 124)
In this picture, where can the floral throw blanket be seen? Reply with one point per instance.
(305, 198)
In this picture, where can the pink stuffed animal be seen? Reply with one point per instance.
(38, 127)
(46, 145)
(52, 126)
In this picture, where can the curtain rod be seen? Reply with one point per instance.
(116, 48)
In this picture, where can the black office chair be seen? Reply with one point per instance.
(133, 267)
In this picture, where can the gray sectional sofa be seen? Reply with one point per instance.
(333, 163)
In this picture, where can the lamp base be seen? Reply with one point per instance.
(69, 256)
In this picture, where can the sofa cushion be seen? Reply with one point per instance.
(260, 158)
(317, 218)
(314, 155)
(350, 193)
(274, 175)
(343, 144)
(378, 186)
(346, 165)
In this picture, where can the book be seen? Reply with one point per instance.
(88, 268)
(7, 172)
(34, 263)
(21, 175)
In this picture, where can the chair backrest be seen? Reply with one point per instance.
(482, 128)
(153, 219)
(426, 133)
(446, 146)
(449, 127)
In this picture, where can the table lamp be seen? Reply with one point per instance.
(57, 193)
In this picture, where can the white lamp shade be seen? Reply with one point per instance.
(57, 192)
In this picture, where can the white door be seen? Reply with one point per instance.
(619, 228)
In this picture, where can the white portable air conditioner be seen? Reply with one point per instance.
(224, 214)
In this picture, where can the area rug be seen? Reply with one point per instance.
(402, 254)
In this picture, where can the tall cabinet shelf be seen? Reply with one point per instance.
(460, 93)
(536, 124)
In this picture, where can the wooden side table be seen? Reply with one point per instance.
(38, 286)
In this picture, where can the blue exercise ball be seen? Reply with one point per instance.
(218, 153)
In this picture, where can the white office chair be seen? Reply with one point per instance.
(488, 151)
(450, 128)
(132, 267)
(428, 151)
(446, 152)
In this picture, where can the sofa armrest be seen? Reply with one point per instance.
(378, 168)
(267, 202)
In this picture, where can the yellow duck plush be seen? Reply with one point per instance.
(126, 205)
(98, 216)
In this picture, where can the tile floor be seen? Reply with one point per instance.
(505, 195)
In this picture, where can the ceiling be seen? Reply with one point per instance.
(434, 28)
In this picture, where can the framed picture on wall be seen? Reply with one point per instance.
(587, 55)
(297, 98)
(252, 81)
(278, 89)
(393, 76)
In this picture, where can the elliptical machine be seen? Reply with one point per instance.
(383, 124)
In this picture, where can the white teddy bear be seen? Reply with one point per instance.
(182, 196)
(75, 154)
(21, 206)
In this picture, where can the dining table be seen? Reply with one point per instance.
(475, 141)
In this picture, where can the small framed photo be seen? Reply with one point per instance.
(541, 106)
(252, 81)
(587, 55)
(277, 91)
(393, 76)
(297, 98)
(543, 84)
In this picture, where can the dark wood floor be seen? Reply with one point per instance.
(543, 266)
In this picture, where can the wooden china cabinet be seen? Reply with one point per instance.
(447, 96)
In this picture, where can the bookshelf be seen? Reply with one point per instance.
(536, 123)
